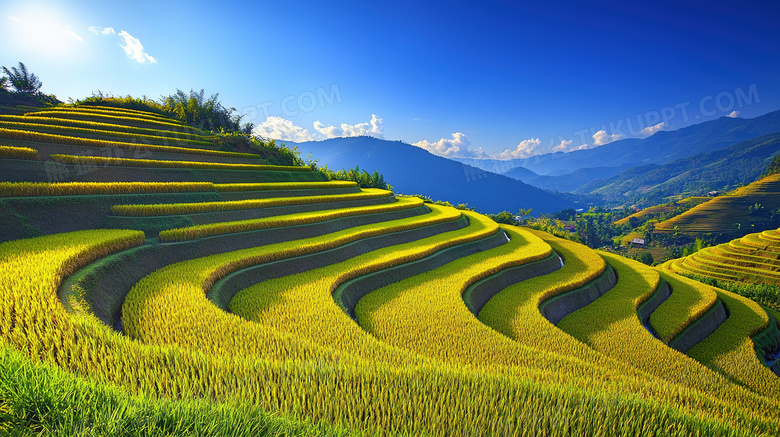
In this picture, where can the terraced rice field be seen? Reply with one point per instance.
(306, 307)
(729, 213)
(659, 210)
(754, 258)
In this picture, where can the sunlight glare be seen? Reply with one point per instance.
(32, 28)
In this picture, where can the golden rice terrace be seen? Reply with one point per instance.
(142, 269)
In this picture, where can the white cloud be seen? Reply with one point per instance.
(14, 18)
(102, 30)
(525, 149)
(134, 49)
(649, 130)
(563, 146)
(132, 45)
(71, 33)
(601, 137)
(457, 147)
(371, 128)
(734, 114)
(278, 128)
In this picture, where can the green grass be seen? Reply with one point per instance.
(40, 399)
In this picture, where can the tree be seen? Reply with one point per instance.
(197, 111)
(22, 80)
(646, 258)
(504, 217)
(3, 84)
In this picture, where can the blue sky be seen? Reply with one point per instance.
(469, 79)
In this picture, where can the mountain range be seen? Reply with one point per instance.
(412, 170)
(714, 155)
(571, 170)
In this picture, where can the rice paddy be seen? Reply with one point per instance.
(365, 327)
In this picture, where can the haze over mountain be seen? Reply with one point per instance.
(723, 169)
(588, 165)
(412, 170)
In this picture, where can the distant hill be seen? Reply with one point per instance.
(521, 174)
(412, 170)
(571, 181)
(733, 214)
(660, 148)
(724, 169)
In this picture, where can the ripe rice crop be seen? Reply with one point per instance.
(725, 213)
(284, 186)
(54, 122)
(316, 315)
(153, 163)
(659, 210)
(196, 208)
(421, 312)
(201, 231)
(753, 258)
(78, 141)
(731, 350)
(57, 113)
(35, 127)
(611, 326)
(170, 284)
(111, 110)
(8, 152)
(27, 189)
(689, 301)
(515, 312)
(372, 397)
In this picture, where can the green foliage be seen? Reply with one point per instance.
(504, 217)
(363, 178)
(507, 218)
(566, 214)
(765, 294)
(22, 80)
(773, 167)
(192, 108)
(197, 111)
(128, 102)
(646, 258)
